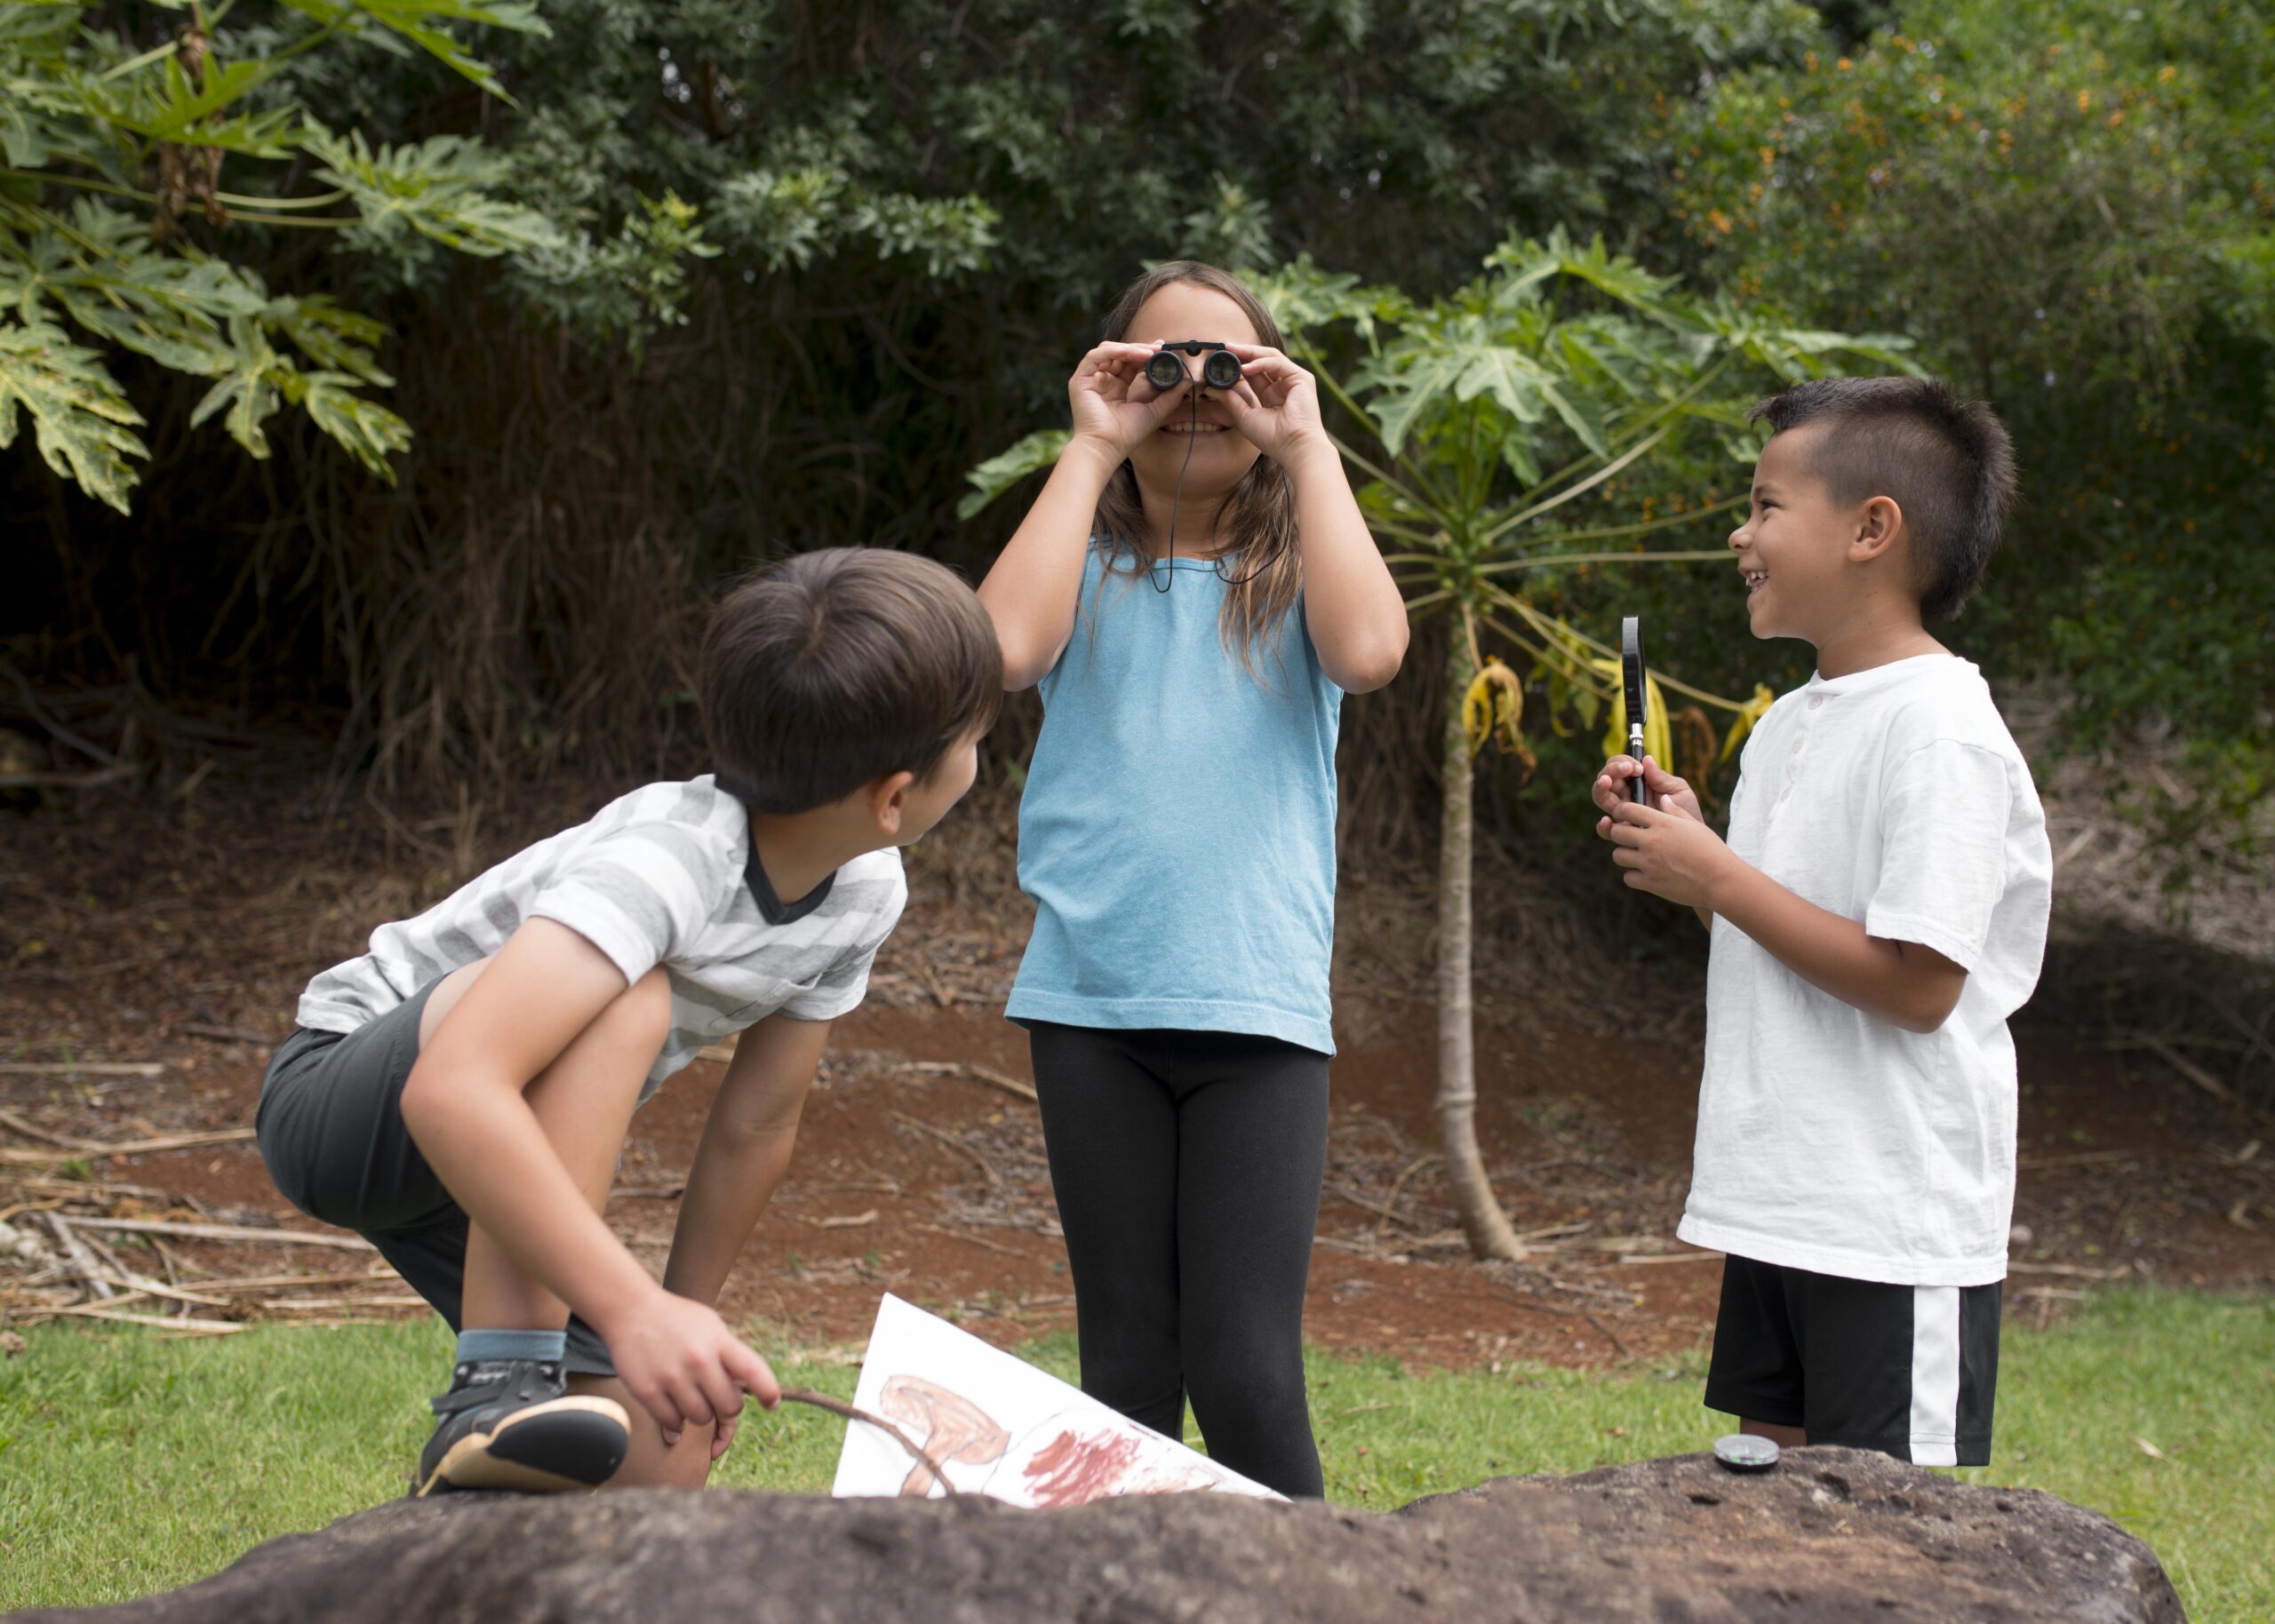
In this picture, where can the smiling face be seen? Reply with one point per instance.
(1793, 549)
(1221, 453)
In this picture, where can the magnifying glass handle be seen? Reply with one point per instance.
(1636, 792)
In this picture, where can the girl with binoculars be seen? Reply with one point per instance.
(1194, 592)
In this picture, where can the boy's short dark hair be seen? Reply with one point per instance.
(832, 669)
(1947, 463)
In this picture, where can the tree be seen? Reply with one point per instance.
(122, 142)
(2067, 201)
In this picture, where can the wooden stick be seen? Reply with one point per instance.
(223, 1034)
(973, 1240)
(977, 1073)
(201, 1327)
(226, 1231)
(277, 1282)
(84, 1067)
(946, 1138)
(134, 1282)
(74, 1251)
(29, 1129)
(128, 1147)
(838, 1407)
(117, 1147)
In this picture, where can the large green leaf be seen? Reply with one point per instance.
(369, 430)
(250, 389)
(424, 24)
(336, 340)
(436, 187)
(109, 280)
(80, 419)
(996, 475)
(169, 105)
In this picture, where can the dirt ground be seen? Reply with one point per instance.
(170, 935)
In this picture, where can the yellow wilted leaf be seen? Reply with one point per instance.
(1659, 734)
(1492, 708)
(1754, 711)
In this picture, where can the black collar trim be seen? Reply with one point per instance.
(771, 908)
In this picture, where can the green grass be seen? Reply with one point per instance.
(129, 1464)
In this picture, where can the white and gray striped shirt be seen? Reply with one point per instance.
(662, 876)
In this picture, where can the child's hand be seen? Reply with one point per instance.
(1275, 404)
(685, 1367)
(1114, 406)
(1667, 792)
(1669, 853)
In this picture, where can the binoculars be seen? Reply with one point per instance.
(1220, 369)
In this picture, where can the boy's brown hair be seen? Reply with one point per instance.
(1947, 463)
(832, 669)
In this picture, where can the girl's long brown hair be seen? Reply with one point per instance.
(1267, 566)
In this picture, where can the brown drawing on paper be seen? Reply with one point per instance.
(955, 1428)
(1057, 1464)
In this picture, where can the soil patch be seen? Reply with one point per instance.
(176, 938)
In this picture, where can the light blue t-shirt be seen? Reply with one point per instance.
(1178, 830)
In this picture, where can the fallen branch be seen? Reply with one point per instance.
(85, 1068)
(946, 1138)
(125, 1147)
(838, 1407)
(972, 1240)
(164, 1322)
(81, 1260)
(226, 1231)
(977, 1073)
(223, 1034)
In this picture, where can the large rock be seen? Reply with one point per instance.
(1830, 1534)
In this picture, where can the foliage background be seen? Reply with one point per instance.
(783, 272)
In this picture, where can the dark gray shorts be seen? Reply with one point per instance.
(330, 1129)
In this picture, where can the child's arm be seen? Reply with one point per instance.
(1351, 606)
(1031, 592)
(464, 1105)
(745, 1150)
(1684, 861)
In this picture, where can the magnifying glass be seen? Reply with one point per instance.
(1631, 670)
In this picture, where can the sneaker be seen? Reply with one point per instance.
(513, 1424)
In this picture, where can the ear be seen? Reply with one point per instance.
(888, 799)
(1877, 528)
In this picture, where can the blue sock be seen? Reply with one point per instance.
(547, 1345)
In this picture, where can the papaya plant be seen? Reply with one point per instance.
(1474, 426)
(140, 146)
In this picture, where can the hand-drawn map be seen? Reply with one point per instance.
(1000, 1427)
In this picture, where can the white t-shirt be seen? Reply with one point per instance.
(662, 876)
(1828, 1139)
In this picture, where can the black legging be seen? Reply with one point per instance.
(1187, 1167)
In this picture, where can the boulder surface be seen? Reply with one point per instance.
(1827, 1536)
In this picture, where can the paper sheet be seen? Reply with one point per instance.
(1001, 1427)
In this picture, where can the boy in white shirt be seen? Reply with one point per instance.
(459, 1093)
(1878, 912)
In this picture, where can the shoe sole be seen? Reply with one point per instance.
(565, 1445)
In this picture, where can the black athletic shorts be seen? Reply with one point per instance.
(330, 1124)
(1907, 1370)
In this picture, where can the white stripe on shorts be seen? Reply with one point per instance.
(1935, 1376)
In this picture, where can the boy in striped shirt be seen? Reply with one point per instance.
(459, 1093)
